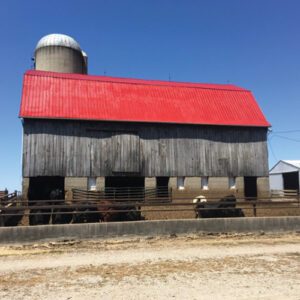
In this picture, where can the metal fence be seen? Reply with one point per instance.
(8, 204)
(120, 204)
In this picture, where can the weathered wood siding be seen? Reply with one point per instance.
(78, 148)
(125, 152)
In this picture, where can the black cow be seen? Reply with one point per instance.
(225, 208)
(60, 215)
(41, 215)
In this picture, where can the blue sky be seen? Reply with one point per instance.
(254, 44)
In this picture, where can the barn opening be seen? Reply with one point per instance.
(291, 181)
(162, 186)
(41, 187)
(125, 186)
(250, 186)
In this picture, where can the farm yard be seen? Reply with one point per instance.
(112, 149)
(260, 266)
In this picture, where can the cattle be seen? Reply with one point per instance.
(41, 215)
(112, 213)
(224, 208)
(91, 211)
(59, 215)
(104, 211)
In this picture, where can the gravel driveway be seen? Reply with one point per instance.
(184, 267)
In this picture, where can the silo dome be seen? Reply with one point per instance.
(57, 39)
(60, 53)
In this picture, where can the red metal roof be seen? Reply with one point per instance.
(85, 97)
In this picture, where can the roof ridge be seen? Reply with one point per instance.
(137, 81)
(298, 160)
(291, 162)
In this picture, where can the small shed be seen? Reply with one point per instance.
(285, 175)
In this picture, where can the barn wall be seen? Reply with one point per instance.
(80, 149)
(217, 187)
(276, 182)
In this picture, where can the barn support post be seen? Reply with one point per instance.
(263, 187)
(150, 182)
(74, 182)
(100, 183)
(25, 188)
(254, 210)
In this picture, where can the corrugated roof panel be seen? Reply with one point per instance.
(74, 96)
(295, 163)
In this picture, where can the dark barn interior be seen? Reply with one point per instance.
(124, 186)
(124, 181)
(291, 180)
(250, 186)
(162, 184)
(42, 190)
(41, 187)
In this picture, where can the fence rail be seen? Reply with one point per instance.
(8, 202)
(284, 193)
(133, 203)
(162, 195)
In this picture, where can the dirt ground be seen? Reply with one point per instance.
(223, 266)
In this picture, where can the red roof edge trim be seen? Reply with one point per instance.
(147, 122)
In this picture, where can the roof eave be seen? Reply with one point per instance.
(144, 121)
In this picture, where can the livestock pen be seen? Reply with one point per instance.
(132, 204)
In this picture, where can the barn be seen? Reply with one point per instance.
(93, 132)
(285, 175)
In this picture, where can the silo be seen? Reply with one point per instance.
(60, 53)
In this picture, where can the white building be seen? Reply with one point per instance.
(285, 175)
